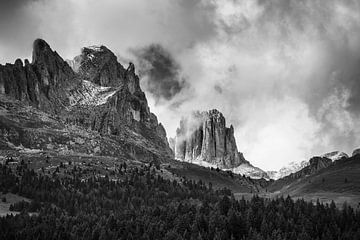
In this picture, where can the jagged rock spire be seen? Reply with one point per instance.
(100, 95)
(204, 136)
(44, 83)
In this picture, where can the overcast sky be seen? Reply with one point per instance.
(285, 73)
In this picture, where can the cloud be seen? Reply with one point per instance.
(15, 24)
(272, 51)
(159, 71)
(287, 132)
(285, 73)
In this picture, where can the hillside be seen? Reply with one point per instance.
(136, 202)
(339, 182)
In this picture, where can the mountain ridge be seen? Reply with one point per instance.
(294, 167)
(107, 100)
(89, 110)
(322, 180)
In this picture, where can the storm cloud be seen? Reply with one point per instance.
(159, 71)
(285, 73)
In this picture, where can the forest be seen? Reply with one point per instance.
(141, 204)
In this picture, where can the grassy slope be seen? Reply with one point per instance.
(46, 141)
(220, 179)
(10, 199)
(327, 184)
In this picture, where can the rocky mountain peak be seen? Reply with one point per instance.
(335, 155)
(215, 114)
(131, 68)
(40, 50)
(314, 165)
(44, 83)
(43, 56)
(98, 95)
(99, 65)
(18, 63)
(299, 169)
(203, 136)
(319, 162)
(356, 152)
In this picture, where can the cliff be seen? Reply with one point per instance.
(93, 91)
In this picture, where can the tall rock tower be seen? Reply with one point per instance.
(205, 137)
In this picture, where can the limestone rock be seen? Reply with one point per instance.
(44, 83)
(315, 164)
(94, 92)
(356, 152)
(336, 155)
(113, 97)
(205, 137)
(301, 169)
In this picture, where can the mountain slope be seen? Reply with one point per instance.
(294, 167)
(114, 106)
(287, 170)
(323, 179)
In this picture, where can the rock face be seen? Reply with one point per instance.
(93, 91)
(317, 163)
(314, 165)
(44, 83)
(307, 167)
(356, 152)
(335, 156)
(120, 100)
(287, 170)
(249, 170)
(205, 137)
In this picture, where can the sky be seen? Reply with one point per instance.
(285, 73)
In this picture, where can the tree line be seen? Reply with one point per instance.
(141, 204)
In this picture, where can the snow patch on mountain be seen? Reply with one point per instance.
(334, 156)
(95, 48)
(243, 169)
(198, 161)
(91, 94)
(292, 167)
(249, 170)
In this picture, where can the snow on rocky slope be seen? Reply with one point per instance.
(294, 167)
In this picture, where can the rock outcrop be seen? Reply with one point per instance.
(119, 98)
(205, 137)
(292, 167)
(335, 156)
(314, 165)
(356, 152)
(44, 83)
(93, 91)
(299, 169)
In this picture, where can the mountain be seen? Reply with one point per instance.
(294, 167)
(43, 84)
(313, 165)
(99, 96)
(249, 170)
(92, 112)
(323, 179)
(336, 155)
(356, 151)
(204, 139)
